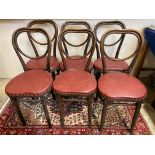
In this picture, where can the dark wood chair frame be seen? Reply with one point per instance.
(120, 40)
(15, 99)
(139, 68)
(134, 55)
(69, 97)
(53, 39)
(121, 101)
(76, 23)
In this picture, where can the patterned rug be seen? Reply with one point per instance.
(118, 120)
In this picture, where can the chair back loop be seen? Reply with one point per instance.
(76, 25)
(120, 40)
(53, 39)
(65, 53)
(20, 53)
(134, 55)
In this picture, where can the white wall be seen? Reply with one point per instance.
(9, 63)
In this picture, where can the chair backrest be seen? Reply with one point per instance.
(53, 39)
(76, 25)
(20, 53)
(63, 51)
(134, 55)
(120, 40)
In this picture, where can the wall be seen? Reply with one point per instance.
(9, 63)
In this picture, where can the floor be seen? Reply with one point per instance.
(3, 96)
(147, 110)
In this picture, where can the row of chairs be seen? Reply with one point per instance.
(75, 82)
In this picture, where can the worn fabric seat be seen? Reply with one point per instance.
(75, 81)
(121, 85)
(110, 65)
(32, 82)
(41, 63)
(79, 64)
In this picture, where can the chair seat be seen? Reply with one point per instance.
(75, 81)
(41, 63)
(32, 82)
(121, 85)
(79, 64)
(110, 65)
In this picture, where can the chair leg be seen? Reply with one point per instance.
(53, 95)
(103, 117)
(60, 106)
(96, 97)
(153, 104)
(16, 105)
(89, 101)
(97, 74)
(135, 117)
(43, 99)
(58, 71)
(53, 75)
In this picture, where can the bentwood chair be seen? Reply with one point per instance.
(41, 63)
(73, 84)
(111, 64)
(117, 88)
(78, 63)
(32, 84)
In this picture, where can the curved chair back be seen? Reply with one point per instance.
(53, 39)
(20, 53)
(78, 25)
(89, 52)
(134, 55)
(120, 40)
(75, 23)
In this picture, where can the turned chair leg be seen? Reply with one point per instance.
(103, 117)
(60, 106)
(89, 101)
(43, 99)
(16, 105)
(135, 117)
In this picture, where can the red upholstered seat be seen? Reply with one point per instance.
(32, 82)
(110, 65)
(121, 85)
(75, 81)
(79, 64)
(41, 63)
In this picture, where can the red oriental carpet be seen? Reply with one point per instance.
(118, 120)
